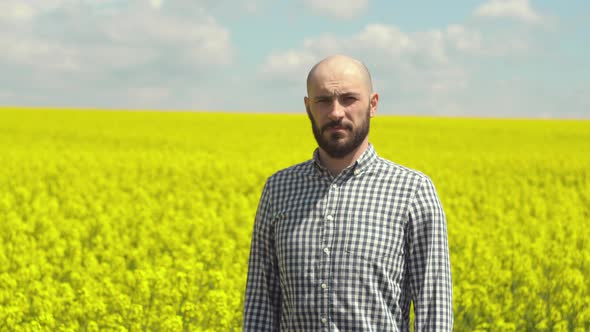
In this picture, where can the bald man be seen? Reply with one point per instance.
(346, 240)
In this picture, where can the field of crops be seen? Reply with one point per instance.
(141, 221)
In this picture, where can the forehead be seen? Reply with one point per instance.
(336, 80)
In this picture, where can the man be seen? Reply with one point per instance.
(346, 240)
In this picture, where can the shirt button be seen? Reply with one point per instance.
(324, 320)
(324, 286)
(327, 251)
(329, 217)
(356, 172)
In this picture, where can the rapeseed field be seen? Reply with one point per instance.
(141, 221)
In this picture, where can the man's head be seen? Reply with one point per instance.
(340, 102)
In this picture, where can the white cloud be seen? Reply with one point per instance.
(123, 39)
(252, 6)
(6, 94)
(287, 63)
(343, 9)
(420, 72)
(463, 39)
(157, 4)
(516, 9)
(415, 70)
(388, 39)
(29, 52)
(89, 52)
(21, 10)
(496, 43)
(13, 10)
(147, 96)
(200, 40)
(384, 47)
(127, 39)
(406, 61)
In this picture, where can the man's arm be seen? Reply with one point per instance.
(263, 296)
(428, 262)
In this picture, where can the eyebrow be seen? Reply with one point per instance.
(345, 94)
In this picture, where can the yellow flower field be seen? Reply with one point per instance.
(141, 221)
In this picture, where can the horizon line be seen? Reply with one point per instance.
(149, 110)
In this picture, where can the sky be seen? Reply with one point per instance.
(484, 58)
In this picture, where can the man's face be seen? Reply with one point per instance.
(339, 107)
(340, 138)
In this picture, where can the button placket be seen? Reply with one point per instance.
(329, 228)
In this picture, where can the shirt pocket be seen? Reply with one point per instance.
(374, 238)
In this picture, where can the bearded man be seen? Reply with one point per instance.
(347, 240)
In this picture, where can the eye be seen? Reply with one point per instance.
(348, 100)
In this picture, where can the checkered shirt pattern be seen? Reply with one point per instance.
(350, 252)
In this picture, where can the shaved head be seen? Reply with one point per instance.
(340, 102)
(339, 64)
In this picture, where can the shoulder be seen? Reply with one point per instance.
(292, 174)
(419, 187)
(408, 181)
(393, 170)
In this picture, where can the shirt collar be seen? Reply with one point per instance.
(360, 165)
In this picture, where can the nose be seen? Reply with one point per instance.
(336, 111)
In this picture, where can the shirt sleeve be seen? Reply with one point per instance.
(428, 262)
(262, 302)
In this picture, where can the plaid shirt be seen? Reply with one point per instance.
(349, 253)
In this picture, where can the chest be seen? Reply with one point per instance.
(365, 219)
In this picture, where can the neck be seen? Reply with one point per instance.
(336, 165)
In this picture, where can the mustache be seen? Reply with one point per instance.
(334, 124)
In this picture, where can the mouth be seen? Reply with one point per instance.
(336, 128)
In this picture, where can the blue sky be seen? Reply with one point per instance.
(485, 58)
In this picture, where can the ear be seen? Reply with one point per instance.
(306, 102)
(373, 103)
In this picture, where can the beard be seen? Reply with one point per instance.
(337, 145)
